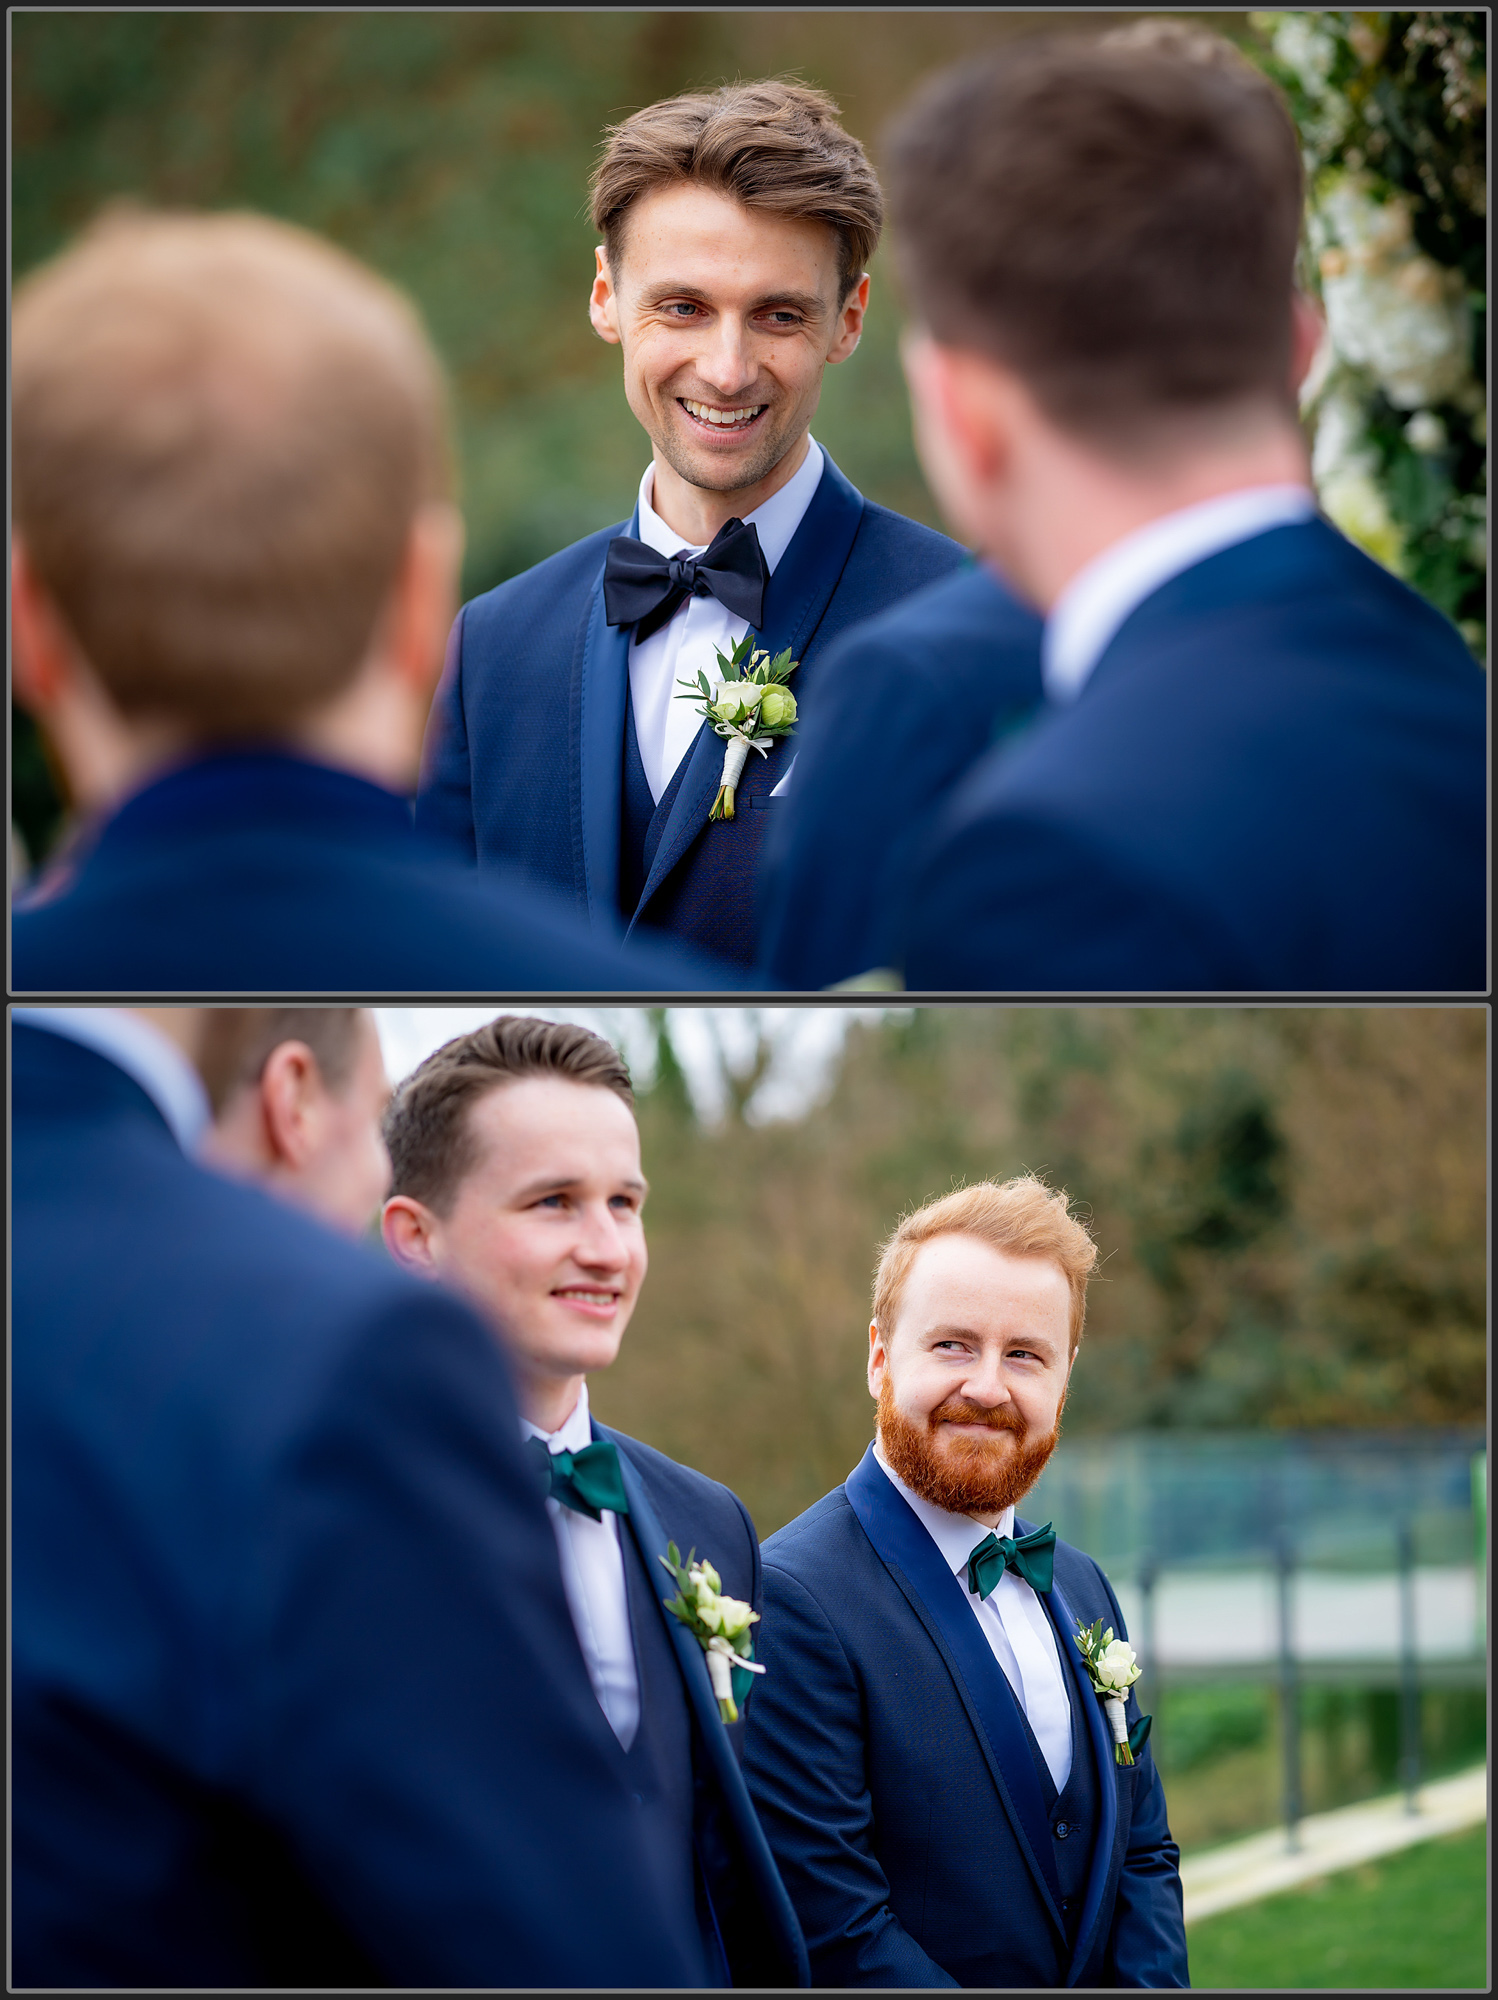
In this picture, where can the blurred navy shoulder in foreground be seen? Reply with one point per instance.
(1274, 780)
(296, 1696)
(906, 703)
(259, 872)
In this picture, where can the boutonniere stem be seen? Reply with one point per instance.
(749, 706)
(1113, 1670)
(719, 1624)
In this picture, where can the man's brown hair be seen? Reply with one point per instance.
(1021, 1216)
(222, 428)
(1116, 219)
(774, 145)
(427, 1129)
(238, 1042)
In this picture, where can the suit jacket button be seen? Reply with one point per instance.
(1062, 1829)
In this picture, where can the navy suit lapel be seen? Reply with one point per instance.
(905, 1547)
(650, 1540)
(1100, 1748)
(795, 602)
(602, 680)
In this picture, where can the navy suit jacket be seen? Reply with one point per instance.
(296, 1697)
(893, 1776)
(525, 749)
(906, 704)
(748, 1912)
(258, 872)
(1275, 780)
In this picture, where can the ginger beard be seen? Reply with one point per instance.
(958, 1473)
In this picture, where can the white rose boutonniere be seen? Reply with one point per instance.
(1113, 1670)
(720, 1624)
(749, 706)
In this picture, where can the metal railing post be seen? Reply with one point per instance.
(1409, 1672)
(1289, 1692)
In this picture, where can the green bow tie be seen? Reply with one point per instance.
(587, 1481)
(1031, 1557)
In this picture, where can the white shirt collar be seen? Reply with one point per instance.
(146, 1055)
(775, 522)
(575, 1435)
(956, 1535)
(1101, 595)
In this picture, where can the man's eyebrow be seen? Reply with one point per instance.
(560, 1183)
(948, 1332)
(805, 302)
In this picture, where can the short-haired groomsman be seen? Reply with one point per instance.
(939, 1780)
(233, 568)
(735, 227)
(1262, 764)
(517, 1180)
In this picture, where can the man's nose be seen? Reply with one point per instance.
(727, 365)
(985, 1383)
(602, 1242)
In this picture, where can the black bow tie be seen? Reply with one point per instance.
(642, 589)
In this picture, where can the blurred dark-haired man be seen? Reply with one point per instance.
(297, 1096)
(234, 563)
(516, 1169)
(735, 228)
(1261, 763)
(295, 1696)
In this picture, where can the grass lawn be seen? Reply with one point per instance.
(1414, 1919)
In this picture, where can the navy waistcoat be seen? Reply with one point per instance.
(1073, 1811)
(659, 1760)
(642, 820)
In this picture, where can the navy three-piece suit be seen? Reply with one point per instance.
(915, 1822)
(1275, 779)
(720, 1866)
(296, 1695)
(531, 758)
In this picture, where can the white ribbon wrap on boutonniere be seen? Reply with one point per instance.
(719, 1624)
(1113, 1669)
(749, 706)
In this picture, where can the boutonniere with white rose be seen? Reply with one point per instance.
(719, 1624)
(749, 705)
(1113, 1670)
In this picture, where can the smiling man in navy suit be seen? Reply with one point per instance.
(736, 226)
(517, 1179)
(1261, 765)
(930, 1761)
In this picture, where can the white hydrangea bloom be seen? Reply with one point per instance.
(1389, 308)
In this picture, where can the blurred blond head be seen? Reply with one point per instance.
(224, 431)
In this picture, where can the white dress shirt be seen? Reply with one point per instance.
(1101, 595)
(692, 637)
(146, 1055)
(1013, 1621)
(593, 1578)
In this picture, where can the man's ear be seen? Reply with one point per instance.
(425, 600)
(603, 301)
(878, 1359)
(409, 1230)
(849, 329)
(1307, 332)
(42, 652)
(293, 1098)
